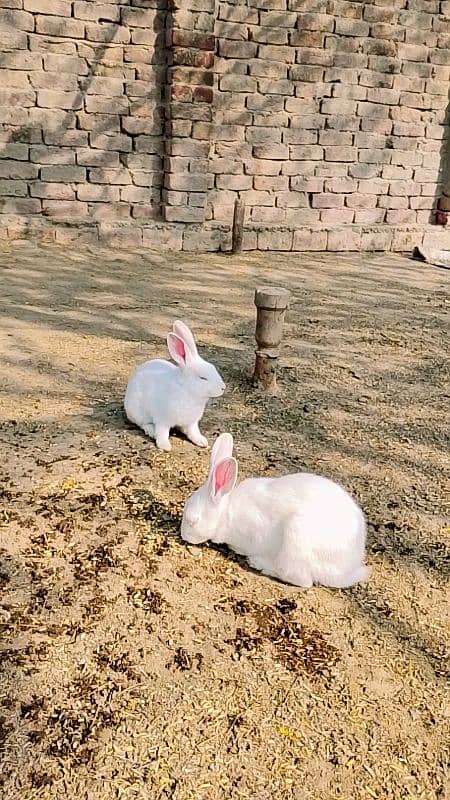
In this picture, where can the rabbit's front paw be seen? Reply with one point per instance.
(163, 445)
(162, 438)
(193, 434)
(201, 441)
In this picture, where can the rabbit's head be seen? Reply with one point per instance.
(199, 375)
(202, 511)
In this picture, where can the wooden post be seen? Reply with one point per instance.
(271, 303)
(238, 226)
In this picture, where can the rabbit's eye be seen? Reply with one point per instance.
(202, 378)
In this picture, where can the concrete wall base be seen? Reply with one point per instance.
(216, 237)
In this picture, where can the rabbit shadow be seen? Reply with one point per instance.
(236, 558)
(112, 415)
(230, 555)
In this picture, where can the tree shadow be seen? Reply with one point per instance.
(362, 356)
(443, 178)
(376, 609)
(138, 120)
(286, 106)
(18, 644)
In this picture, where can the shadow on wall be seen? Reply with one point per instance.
(443, 182)
(297, 107)
(74, 136)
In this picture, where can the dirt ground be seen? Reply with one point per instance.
(134, 666)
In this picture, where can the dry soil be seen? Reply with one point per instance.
(133, 666)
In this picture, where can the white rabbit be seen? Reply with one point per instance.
(161, 396)
(302, 529)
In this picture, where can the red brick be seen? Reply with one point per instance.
(201, 41)
(201, 77)
(181, 92)
(233, 49)
(192, 58)
(307, 38)
(203, 94)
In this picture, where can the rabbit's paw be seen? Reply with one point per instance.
(193, 434)
(163, 444)
(162, 438)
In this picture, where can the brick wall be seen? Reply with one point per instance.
(189, 98)
(81, 108)
(317, 113)
(330, 111)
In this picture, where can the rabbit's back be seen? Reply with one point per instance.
(312, 496)
(330, 521)
(300, 519)
(332, 524)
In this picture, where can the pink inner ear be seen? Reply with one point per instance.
(223, 475)
(179, 347)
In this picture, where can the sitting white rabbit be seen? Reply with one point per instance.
(302, 529)
(161, 396)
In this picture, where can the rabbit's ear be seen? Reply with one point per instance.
(177, 349)
(181, 329)
(223, 478)
(222, 448)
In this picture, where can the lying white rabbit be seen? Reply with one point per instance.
(302, 528)
(161, 396)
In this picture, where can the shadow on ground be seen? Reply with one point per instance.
(91, 510)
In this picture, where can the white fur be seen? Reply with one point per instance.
(302, 529)
(161, 396)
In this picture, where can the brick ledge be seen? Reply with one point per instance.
(216, 237)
